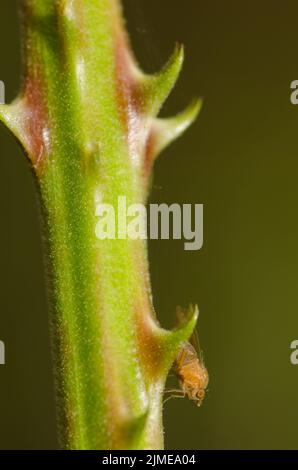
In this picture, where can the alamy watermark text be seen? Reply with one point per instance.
(136, 221)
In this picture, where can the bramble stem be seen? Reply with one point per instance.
(86, 117)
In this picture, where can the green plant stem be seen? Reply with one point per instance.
(86, 118)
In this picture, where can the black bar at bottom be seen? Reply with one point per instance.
(134, 459)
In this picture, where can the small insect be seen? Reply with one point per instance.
(191, 373)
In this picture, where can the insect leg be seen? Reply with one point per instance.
(174, 390)
(174, 393)
(181, 395)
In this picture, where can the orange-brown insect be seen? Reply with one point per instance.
(191, 372)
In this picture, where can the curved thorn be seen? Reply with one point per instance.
(5, 115)
(165, 131)
(136, 426)
(156, 88)
(173, 340)
(12, 118)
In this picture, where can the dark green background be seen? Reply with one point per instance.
(241, 161)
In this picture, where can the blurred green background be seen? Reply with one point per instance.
(240, 160)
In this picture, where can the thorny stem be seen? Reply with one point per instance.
(86, 118)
